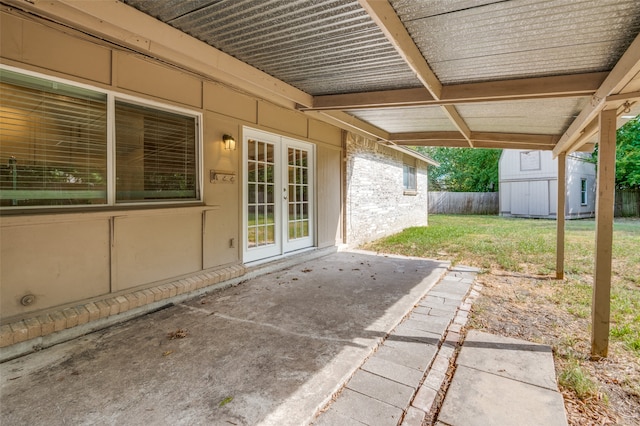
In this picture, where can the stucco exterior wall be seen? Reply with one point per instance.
(68, 256)
(376, 203)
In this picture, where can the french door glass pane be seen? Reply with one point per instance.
(298, 187)
(251, 150)
(261, 194)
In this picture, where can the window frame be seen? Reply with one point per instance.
(409, 173)
(584, 185)
(111, 97)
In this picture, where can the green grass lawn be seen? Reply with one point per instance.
(528, 246)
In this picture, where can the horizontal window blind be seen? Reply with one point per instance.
(54, 147)
(53, 143)
(155, 154)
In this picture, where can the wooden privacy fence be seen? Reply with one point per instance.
(627, 203)
(464, 202)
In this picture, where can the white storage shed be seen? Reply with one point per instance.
(529, 185)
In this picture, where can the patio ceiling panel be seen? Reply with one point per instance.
(539, 116)
(467, 43)
(410, 119)
(167, 10)
(319, 47)
(346, 56)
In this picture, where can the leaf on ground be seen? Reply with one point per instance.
(180, 333)
(225, 401)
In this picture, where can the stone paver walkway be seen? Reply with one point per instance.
(503, 381)
(400, 382)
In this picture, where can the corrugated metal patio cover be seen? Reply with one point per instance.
(468, 41)
(465, 52)
(320, 47)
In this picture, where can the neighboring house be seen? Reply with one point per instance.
(529, 185)
(120, 186)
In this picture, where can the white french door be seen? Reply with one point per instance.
(278, 195)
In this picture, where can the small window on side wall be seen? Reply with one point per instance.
(409, 182)
(583, 192)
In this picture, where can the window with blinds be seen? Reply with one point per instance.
(54, 144)
(155, 154)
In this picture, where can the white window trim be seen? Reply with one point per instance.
(414, 190)
(112, 96)
(585, 192)
(256, 255)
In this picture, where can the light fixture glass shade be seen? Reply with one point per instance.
(229, 142)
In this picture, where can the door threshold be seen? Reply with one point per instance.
(276, 263)
(279, 257)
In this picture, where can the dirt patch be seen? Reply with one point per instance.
(522, 306)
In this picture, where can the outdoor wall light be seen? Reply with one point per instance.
(229, 142)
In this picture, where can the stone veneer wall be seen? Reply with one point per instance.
(376, 204)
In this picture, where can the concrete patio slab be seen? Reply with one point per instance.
(408, 345)
(382, 389)
(393, 371)
(477, 398)
(431, 324)
(511, 358)
(407, 331)
(503, 381)
(367, 410)
(333, 418)
(419, 358)
(272, 350)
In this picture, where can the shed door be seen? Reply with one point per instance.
(520, 198)
(530, 198)
(539, 198)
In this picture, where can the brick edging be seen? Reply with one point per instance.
(105, 311)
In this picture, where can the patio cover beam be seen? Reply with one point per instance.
(479, 139)
(622, 73)
(349, 122)
(388, 21)
(618, 102)
(519, 89)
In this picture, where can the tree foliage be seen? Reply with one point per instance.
(627, 155)
(463, 169)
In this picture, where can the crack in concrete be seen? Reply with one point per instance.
(267, 325)
(284, 330)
